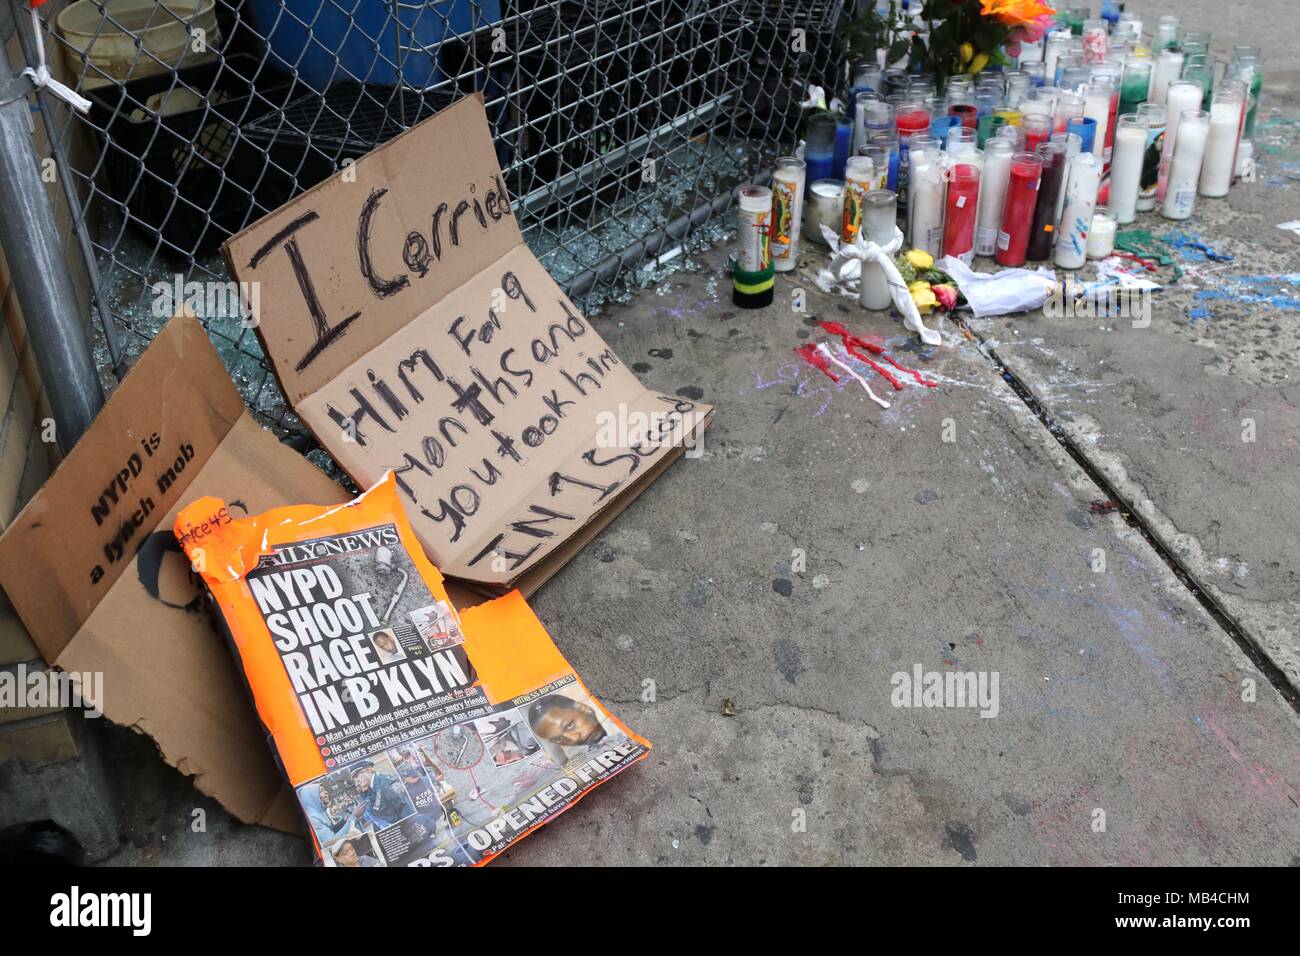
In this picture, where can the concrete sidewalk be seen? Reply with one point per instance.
(1120, 699)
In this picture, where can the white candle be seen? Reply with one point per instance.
(1181, 97)
(1169, 66)
(1080, 203)
(825, 207)
(1073, 144)
(1185, 169)
(1221, 144)
(1101, 240)
(1126, 167)
(925, 199)
(879, 210)
(1096, 105)
(993, 194)
(787, 211)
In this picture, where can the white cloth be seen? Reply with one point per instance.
(845, 273)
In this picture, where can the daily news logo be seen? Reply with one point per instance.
(76, 909)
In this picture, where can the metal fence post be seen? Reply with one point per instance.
(41, 277)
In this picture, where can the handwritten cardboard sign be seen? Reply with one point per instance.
(412, 329)
(98, 579)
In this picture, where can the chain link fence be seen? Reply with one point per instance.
(622, 127)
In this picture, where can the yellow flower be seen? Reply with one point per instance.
(966, 51)
(920, 259)
(923, 296)
(977, 64)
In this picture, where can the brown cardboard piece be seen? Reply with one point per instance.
(97, 577)
(412, 329)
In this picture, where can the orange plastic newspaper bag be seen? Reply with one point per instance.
(412, 736)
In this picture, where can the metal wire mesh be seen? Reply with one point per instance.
(617, 125)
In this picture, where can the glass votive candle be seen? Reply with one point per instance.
(1101, 237)
(824, 207)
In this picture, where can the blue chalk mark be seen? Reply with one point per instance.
(1191, 247)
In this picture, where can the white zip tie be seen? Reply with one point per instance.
(40, 74)
(821, 347)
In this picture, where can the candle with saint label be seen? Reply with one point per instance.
(787, 211)
(1153, 115)
(859, 178)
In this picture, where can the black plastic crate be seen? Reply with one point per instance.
(348, 120)
(174, 155)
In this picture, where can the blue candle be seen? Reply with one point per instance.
(819, 148)
(843, 144)
(1086, 128)
(940, 125)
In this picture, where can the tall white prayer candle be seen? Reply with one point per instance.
(1126, 167)
(1182, 96)
(1096, 105)
(1185, 171)
(879, 209)
(787, 211)
(1221, 144)
(1073, 144)
(993, 194)
(925, 199)
(1169, 66)
(1101, 240)
(1080, 203)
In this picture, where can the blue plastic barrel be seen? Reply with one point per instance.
(366, 37)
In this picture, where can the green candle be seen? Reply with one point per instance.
(1135, 85)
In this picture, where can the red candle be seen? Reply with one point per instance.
(1018, 214)
(912, 119)
(959, 211)
(1038, 129)
(1108, 148)
(968, 114)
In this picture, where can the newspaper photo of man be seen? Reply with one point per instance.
(566, 721)
(355, 852)
(381, 798)
(386, 646)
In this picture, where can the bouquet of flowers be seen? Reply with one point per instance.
(954, 36)
(929, 287)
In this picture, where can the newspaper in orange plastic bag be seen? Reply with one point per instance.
(412, 735)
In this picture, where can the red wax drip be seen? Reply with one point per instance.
(814, 358)
(852, 342)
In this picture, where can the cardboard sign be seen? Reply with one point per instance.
(412, 329)
(99, 580)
